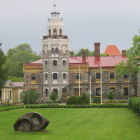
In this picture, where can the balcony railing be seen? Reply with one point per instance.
(55, 36)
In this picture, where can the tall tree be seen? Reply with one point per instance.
(79, 52)
(3, 68)
(23, 53)
(88, 52)
(131, 64)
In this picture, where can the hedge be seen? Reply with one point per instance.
(10, 108)
(79, 106)
(134, 104)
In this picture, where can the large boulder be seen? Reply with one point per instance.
(31, 121)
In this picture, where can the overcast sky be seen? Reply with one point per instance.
(110, 22)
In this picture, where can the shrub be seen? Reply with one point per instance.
(32, 94)
(84, 99)
(53, 96)
(96, 100)
(122, 101)
(111, 101)
(110, 94)
(72, 100)
(134, 104)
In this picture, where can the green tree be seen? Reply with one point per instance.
(3, 68)
(33, 96)
(84, 99)
(130, 66)
(110, 95)
(88, 52)
(16, 79)
(53, 96)
(23, 53)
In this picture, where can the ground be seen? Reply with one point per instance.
(76, 124)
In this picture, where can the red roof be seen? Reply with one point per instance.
(94, 61)
(112, 50)
(37, 62)
(104, 61)
(18, 84)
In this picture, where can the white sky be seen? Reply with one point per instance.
(110, 22)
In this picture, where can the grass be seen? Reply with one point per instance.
(76, 124)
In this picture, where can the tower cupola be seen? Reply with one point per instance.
(55, 24)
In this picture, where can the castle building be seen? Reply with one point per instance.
(69, 75)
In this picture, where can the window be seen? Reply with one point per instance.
(112, 75)
(54, 32)
(46, 92)
(0, 94)
(97, 75)
(98, 90)
(56, 91)
(46, 76)
(64, 76)
(64, 62)
(46, 62)
(125, 76)
(54, 62)
(56, 50)
(10, 94)
(77, 76)
(60, 32)
(21, 95)
(113, 89)
(49, 32)
(52, 50)
(54, 75)
(33, 76)
(125, 91)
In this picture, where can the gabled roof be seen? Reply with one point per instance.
(18, 84)
(112, 50)
(8, 84)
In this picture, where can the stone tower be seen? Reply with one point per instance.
(55, 51)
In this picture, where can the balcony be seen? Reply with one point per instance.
(55, 37)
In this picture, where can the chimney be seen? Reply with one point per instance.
(84, 56)
(71, 54)
(123, 52)
(97, 48)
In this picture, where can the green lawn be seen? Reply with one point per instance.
(76, 124)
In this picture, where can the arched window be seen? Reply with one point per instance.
(64, 76)
(64, 62)
(64, 48)
(52, 50)
(49, 32)
(60, 32)
(54, 32)
(46, 62)
(46, 76)
(56, 50)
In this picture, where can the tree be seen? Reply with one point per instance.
(33, 96)
(131, 64)
(53, 96)
(16, 79)
(88, 52)
(23, 53)
(110, 94)
(79, 52)
(84, 99)
(3, 69)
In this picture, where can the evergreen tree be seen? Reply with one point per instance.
(3, 69)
